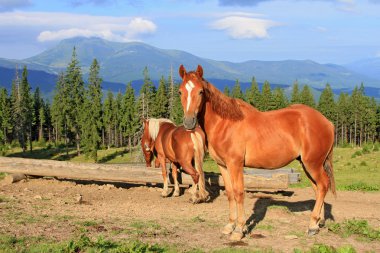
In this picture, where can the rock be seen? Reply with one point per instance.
(79, 199)
(37, 197)
(109, 186)
(291, 237)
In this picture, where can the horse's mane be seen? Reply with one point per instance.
(154, 126)
(224, 106)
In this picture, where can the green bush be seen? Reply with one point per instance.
(357, 153)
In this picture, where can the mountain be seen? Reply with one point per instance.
(369, 67)
(121, 63)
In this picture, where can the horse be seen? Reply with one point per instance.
(238, 135)
(183, 148)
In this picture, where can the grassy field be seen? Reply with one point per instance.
(354, 168)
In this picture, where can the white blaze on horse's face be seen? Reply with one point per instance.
(189, 87)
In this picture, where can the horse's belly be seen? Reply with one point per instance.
(270, 158)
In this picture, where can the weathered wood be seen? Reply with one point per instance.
(128, 173)
(13, 178)
(294, 176)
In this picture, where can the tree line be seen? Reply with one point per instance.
(81, 116)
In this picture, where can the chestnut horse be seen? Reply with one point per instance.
(239, 135)
(181, 147)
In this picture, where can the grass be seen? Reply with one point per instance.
(84, 243)
(322, 248)
(148, 228)
(359, 228)
(81, 244)
(352, 172)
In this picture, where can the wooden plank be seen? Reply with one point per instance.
(123, 173)
(294, 176)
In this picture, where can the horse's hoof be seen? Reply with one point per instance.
(164, 194)
(312, 231)
(176, 194)
(236, 236)
(195, 200)
(322, 223)
(228, 229)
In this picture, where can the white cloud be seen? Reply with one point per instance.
(57, 26)
(243, 27)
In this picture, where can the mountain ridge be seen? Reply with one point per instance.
(121, 63)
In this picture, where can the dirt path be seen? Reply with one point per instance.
(49, 208)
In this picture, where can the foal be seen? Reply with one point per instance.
(182, 148)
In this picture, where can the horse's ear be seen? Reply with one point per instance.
(182, 71)
(200, 71)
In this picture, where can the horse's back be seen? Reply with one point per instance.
(275, 138)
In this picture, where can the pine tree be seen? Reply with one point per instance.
(26, 111)
(92, 113)
(16, 120)
(295, 96)
(279, 99)
(267, 102)
(306, 97)
(107, 117)
(370, 119)
(171, 95)
(5, 115)
(74, 80)
(37, 105)
(130, 120)
(146, 98)
(236, 90)
(226, 91)
(252, 95)
(47, 122)
(342, 120)
(326, 104)
(161, 100)
(42, 122)
(60, 110)
(116, 117)
(177, 110)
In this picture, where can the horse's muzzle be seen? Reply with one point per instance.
(189, 122)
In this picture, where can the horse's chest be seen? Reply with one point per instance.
(216, 156)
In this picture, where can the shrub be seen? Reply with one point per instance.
(357, 153)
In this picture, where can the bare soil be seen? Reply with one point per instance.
(52, 209)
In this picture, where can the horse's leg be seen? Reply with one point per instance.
(175, 177)
(165, 190)
(322, 220)
(319, 177)
(189, 169)
(237, 180)
(230, 227)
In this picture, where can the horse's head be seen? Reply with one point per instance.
(192, 95)
(147, 144)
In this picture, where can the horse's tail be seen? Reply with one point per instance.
(328, 166)
(199, 152)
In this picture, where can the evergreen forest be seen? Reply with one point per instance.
(81, 116)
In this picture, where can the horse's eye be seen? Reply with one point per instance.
(180, 92)
(200, 92)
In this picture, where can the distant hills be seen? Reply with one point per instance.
(121, 63)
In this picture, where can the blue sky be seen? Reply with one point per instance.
(326, 31)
